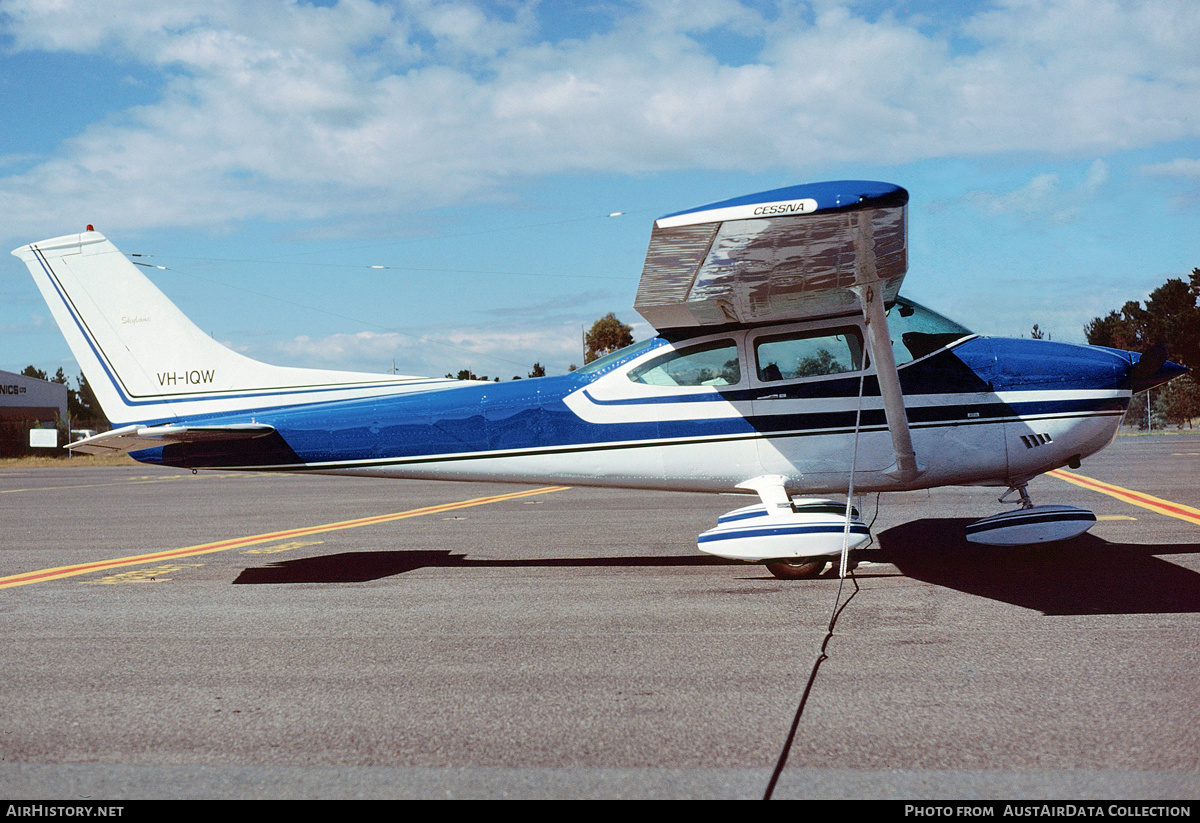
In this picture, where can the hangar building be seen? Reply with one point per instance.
(27, 403)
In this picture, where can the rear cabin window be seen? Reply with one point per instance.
(713, 364)
(808, 354)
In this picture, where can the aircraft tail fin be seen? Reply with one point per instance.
(146, 361)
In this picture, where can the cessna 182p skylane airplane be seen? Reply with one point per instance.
(786, 362)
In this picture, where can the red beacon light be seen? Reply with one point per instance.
(90, 227)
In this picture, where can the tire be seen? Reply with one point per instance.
(801, 569)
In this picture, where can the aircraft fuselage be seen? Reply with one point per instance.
(981, 411)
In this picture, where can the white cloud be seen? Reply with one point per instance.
(465, 30)
(189, 31)
(1187, 168)
(1044, 197)
(291, 111)
(496, 352)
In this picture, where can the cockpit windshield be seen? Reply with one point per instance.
(917, 331)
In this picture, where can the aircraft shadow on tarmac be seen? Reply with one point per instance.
(359, 567)
(1085, 575)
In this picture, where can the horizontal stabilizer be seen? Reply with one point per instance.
(135, 438)
(786, 254)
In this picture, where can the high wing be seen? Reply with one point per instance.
(796, 253)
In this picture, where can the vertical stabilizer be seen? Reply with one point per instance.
(146, 361)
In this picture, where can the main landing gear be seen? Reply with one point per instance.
(804, 568)
(793, 537)
(797, 569)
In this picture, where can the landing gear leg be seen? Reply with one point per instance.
(1023, 491)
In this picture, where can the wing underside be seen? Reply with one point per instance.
(797, 253)
(787, 254)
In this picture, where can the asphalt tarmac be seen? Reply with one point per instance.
(573, 643)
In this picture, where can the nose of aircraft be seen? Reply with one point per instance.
(1025, 364)
(1152, 368)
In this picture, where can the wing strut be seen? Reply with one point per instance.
(867, 285)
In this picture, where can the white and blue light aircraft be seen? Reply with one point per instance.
(786, 363)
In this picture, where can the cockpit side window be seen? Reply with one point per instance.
(917, 331)
(808, 354)
(711, 364)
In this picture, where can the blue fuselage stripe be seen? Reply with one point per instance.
(775, 531)
(1017, 519)
(733, 518)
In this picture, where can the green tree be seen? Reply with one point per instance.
(1170, 316)
(606, 336)
(1180, 401)
(538, 370)
(1173, 317)
(1117, 329)
(1135, 415)
(823, 362)
(35, 372)
(467, 374)
(84, 407)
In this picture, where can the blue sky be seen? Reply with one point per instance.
(269, 154)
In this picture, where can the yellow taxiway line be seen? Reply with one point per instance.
(133, 481)
(60, 572)
(1146, 501)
